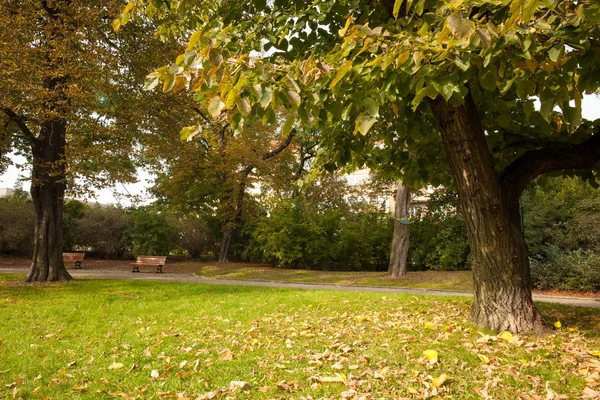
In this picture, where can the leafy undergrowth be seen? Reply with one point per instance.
(447, 280)
(136, 339)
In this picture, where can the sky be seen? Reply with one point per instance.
(119, 193)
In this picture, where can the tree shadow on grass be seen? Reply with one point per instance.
(587, 320)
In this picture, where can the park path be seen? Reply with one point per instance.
(191, 278)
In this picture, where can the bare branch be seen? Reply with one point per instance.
(20, 122)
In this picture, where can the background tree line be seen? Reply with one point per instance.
(330, 227)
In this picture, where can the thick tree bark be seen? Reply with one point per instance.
(501, 274)
(401, 239)
(47, 192)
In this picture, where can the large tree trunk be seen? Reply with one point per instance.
(47, 192)
(401, 239)
(501, 274)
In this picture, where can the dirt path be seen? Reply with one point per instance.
(191, 278)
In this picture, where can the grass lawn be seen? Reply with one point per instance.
(137, 339)
(448, 280)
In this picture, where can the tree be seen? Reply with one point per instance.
(68, 101)
(401, 240)
(466, 72)
(214, 167)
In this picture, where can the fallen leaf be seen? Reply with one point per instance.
(484, 358)
(439, 381)
(557, 325)
(154, 374)
(115, 365)
(431, 355)
(504, 335)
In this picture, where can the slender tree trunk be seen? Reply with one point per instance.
(401, 239)
(501, 274)
(47, 192)
(226, 244)
(232, 225)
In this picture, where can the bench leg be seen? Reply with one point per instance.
(136, 268)
(159, 269)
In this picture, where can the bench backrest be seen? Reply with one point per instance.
(70, 257)
(151, 260)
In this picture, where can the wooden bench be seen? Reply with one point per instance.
(149, 261)
(76, 258)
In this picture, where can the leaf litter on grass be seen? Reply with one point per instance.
(300, 345)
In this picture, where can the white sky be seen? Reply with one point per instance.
(119, 193)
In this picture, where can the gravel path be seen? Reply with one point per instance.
(191, 278)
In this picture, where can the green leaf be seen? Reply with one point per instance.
(292, 84)
(504, 120)
(243, 105)
(289, 123)
(445, 88)
(215, 106)
(266, 98)
(525, 88)
(194, 39)
(556, 52)
(460, 27)
(364, 123)
(151, 82)
(168, 83)
(294, 98)
(528, 108)
(342, 70)
(257, 91)
(396, 10)
(371, 106)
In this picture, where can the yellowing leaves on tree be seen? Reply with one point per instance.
(431, 355)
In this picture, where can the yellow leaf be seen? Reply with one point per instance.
(412, 390)
(504, 335)
(484, 358)
(557, 325)
(595, 353)
(439, 381)
(429, 325)
(431, 355)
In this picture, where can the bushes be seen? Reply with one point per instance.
(438, 237)
(16, 226)
(151, 233)
(566, 270)
(102, 229)
(297, 234)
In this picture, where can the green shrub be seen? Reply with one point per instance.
(102, 228)
(151, 233)
(566, 270)
(194, 236)
(438, 237)
(16, 225)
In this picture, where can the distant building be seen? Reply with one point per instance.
(6, 192)
(362, 177)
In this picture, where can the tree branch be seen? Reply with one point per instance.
(554, 156)
(281, 147)
(19, 121)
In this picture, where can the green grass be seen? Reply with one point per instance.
(447, 280)
(60, 341)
